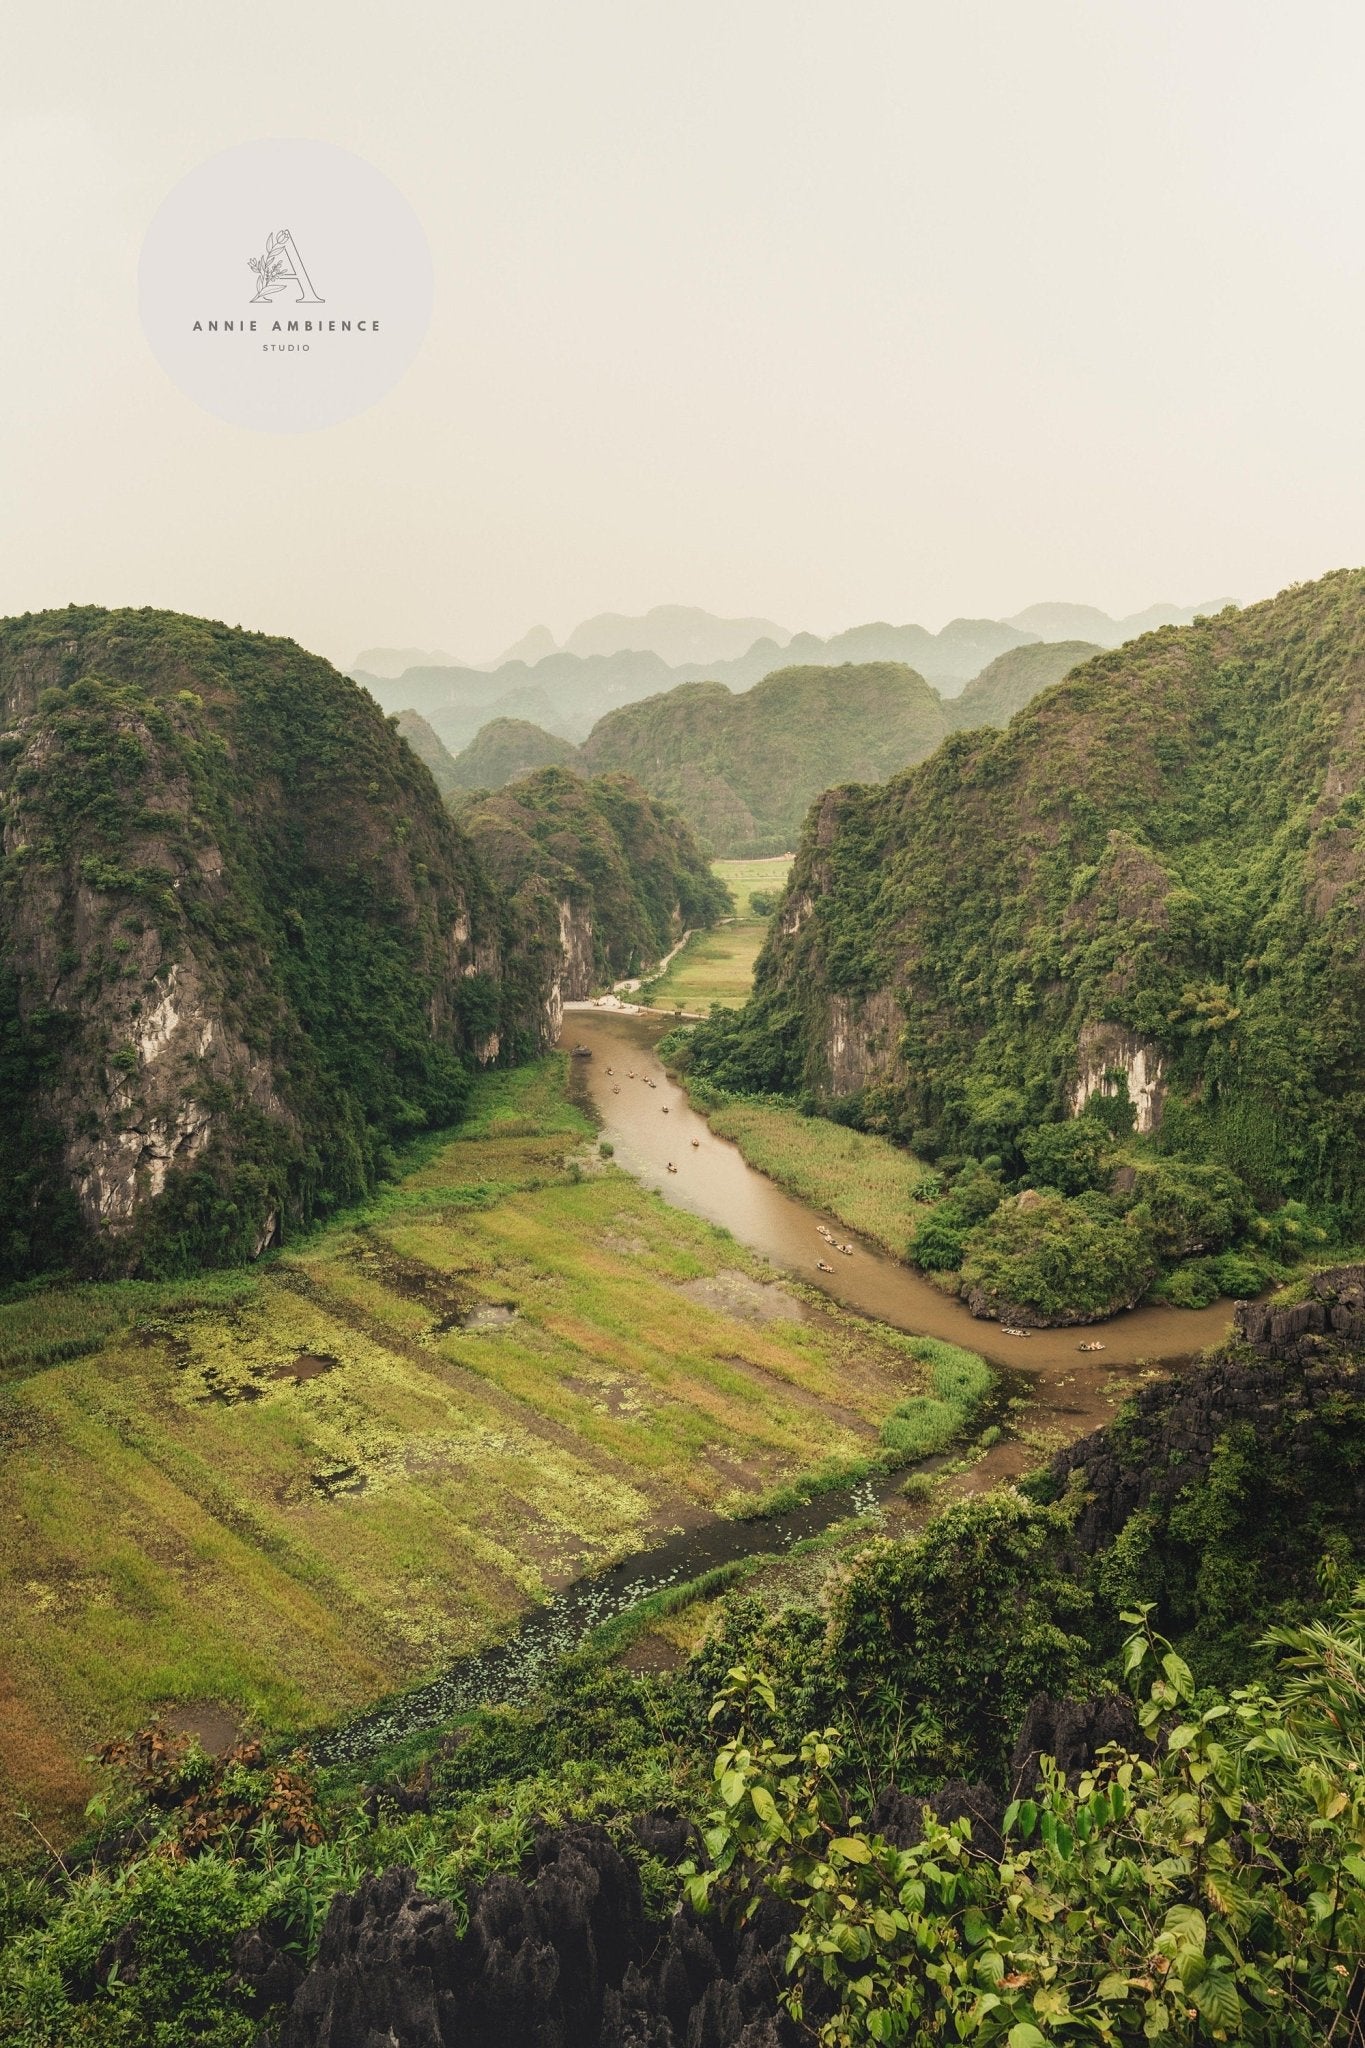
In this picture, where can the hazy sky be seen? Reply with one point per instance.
(822, 311)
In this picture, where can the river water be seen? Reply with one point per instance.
(1068, 1392)
(1059, 1392)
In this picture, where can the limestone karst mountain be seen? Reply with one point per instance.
(1156, 871)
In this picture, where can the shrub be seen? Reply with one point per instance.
(1064, 1257)
(1185, 1208)
(956, 1631)
(1193, 1285)
(1068, 1156)
(940, 1240)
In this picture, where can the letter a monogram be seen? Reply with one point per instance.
(281, 265)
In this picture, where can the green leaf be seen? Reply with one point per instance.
(1186, 1924)
(1215, 1998)
(1113, 1987)
(1026, 2035)
(732, 1787)
(765, 1806)
(1026, 1818)
(851, 1849)
(1179, 1673)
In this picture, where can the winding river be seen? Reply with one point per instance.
(1067, 1392)
(1059, 1392)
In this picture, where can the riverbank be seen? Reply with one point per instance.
(876, 1189)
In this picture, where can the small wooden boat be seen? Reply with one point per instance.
(821, 1267)
(1093, 1345)
(695, 1143)
(1009, 1330)
(671, 1167)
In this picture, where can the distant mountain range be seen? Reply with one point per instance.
(566, 690)
(742, 767)
(392, 661)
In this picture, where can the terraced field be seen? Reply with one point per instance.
(266, 1498)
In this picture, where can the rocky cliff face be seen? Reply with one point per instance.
(1153, 880)
(242, 945)
(599, 879)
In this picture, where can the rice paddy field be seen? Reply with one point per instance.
(742, 877)
(260, 1500)
(717, 966)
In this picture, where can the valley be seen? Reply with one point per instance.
(281, 1495)
(493, 1390)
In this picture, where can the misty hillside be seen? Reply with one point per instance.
(503, 751)
(740, 778)
(677, 633)
(1088, 622)
(429, 750)
(567, 689)
(1013, 679)
(391, 662)
(743, 769)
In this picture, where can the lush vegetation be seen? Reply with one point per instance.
(1153, 872)
(1187, 1867)
(503, 751)
(1014, 679)
(226, 982)
(743, 769)
(621, 868)
(285, 1491)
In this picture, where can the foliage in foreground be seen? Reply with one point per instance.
(1208, 1885)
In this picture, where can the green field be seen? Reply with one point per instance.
(281, 1493)
(717, 966)
(741, 877)
(868, 1183)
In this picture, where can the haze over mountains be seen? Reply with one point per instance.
(742, 766)
(612, 660)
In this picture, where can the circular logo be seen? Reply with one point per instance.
(285, 285)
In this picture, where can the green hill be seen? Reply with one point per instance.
(505, 749)
(1014, 679)
(599, 879)
(239, 937)
(1143, 896)
(429, 749)
(744, 769)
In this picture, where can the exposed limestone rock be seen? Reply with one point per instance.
(1107, 1049)
(863, 1042)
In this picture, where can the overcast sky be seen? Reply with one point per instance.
(827, 312)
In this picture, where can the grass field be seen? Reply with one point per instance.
(868, 1183)
(741, 877)
(713, 967)
(718, 966)
(281, 1493)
